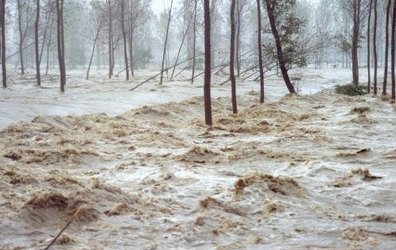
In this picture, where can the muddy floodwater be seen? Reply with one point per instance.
(312, 171)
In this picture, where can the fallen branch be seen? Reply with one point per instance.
(64, 228)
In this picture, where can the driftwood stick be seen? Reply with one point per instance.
(64, 228)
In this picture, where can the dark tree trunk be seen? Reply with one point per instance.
(369, 48)
(375, 48)
(232, 59)
(393, 40)
(131, 41)
(194, 41)
(260, 52)
(279, 49)
(238, 39)
(207, 97)
(36, 41)
(19, 8)
(124, 35)
(355, 41)
(3, 43)
(166, 43)
(384, 87)
(60, 36)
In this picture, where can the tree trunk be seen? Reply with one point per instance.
(238, 39)
(110, 40)
(166, 43)
(60, 38)
(369, 48)
(19, 8)
(384, 87)
(260, 52)
(279, 49)
(207, 78)
(194, 41)
(393, 40)
(180, 47)
(124, 35)
(3, 43)
(375, 48)
(93, 48)
(36, 41)
(355, 41)
(232, 58)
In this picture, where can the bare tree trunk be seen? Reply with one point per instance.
(384, 87)
(131, 42)
(19, 8)
(166, 43)
(355, 41)
(125, 39)
(393, 40)
(61, 58)
(238, 39)
(194, 40)
(110, 40)
(260, 52)
(3, 43)
(375, 48)
(180, 47)
(232, 58)
(93, 48)
(48, 49)
(36, 41)
(282, 65)
(369, 48)
(207, 97)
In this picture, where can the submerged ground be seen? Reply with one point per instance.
(310, 171)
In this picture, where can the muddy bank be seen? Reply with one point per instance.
(301, 172)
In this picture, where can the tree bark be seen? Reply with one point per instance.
(393, 40)
(232, 58)
(279, 49)
(166, 43)
(375, 48)
(21, 39)
(194, 41)
(384, 87)
(125, 39)
(60, 36)
(260, 52)
(3, 44)
(36, 41)
(355, 41)
(207, 78)
(110, 40)
(369, 48)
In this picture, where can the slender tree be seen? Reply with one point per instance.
(21, 36)
(375, 48)
(282, 65)
(124, 35)
(111, 50)
(393, 40)
(166, 43)
(384, 87)
(369, 47)
(3, 43)
(36, 42)
(232, 58)
(207, 78)
(355, 40)
(260, 52)
(61, 44)
(194, 41)
(94, 46)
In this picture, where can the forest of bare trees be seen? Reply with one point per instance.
(289, 37)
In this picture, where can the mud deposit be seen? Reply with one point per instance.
(302, 172)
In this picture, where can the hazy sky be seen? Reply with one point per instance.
(160, 5)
